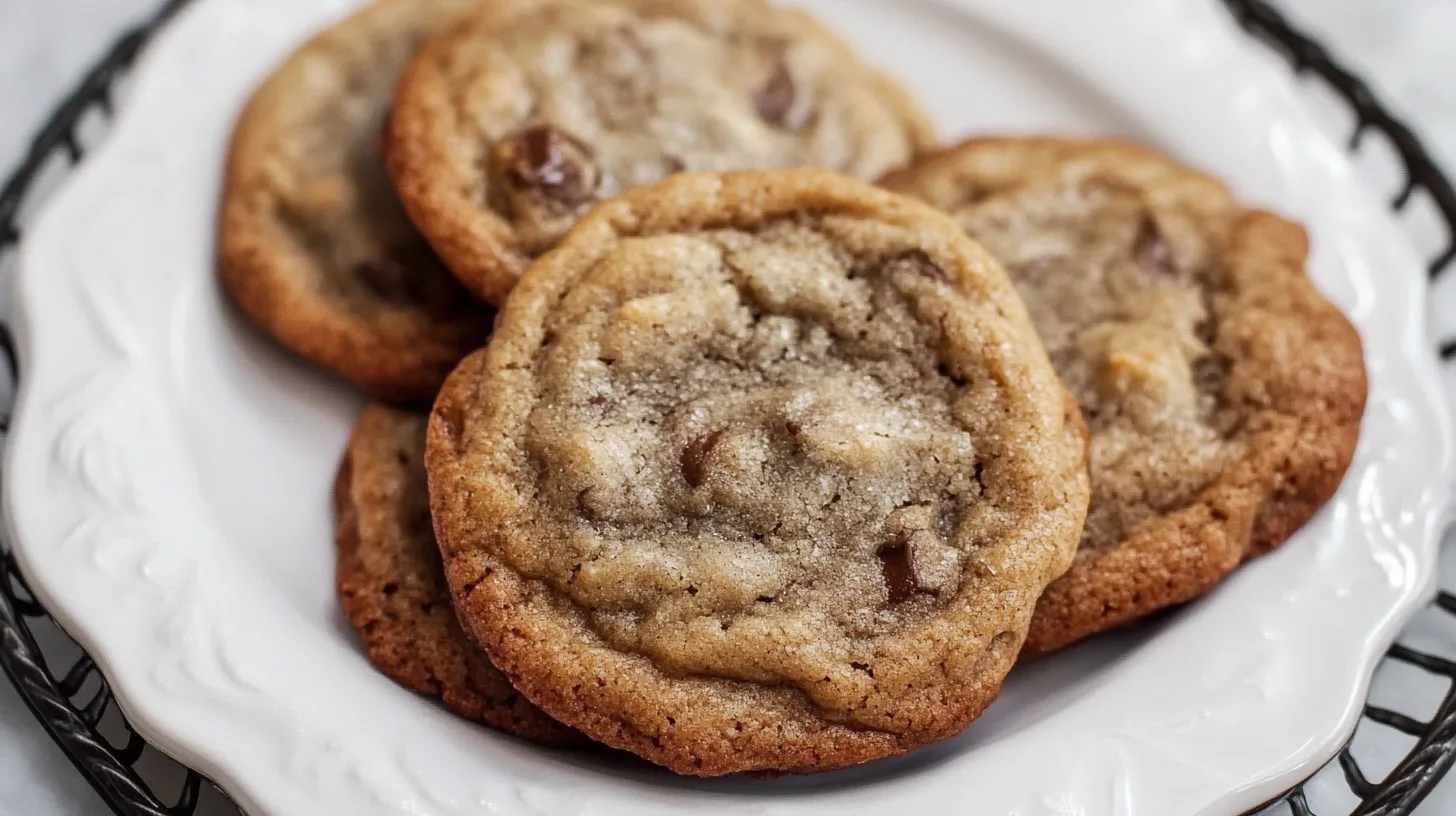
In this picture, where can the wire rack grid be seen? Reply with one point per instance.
(76, 707)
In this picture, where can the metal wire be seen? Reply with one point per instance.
(1429, 760)
(110, 768)
(72, 723)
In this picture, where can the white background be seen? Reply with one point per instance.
(1404, 46)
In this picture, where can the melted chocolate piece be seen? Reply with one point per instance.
(694, 458)
(902, 564)
(898, 573)
(1151, 249)
(549, 162)
(775, 99)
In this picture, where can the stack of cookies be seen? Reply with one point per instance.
(688, 439)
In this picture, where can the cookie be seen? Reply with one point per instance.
(1224, 393)
(761, 471)
(512, 124)
(392, 588)
(313, 244)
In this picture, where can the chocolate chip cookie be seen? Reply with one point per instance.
(313, 243)
(393, 590)
(511, 125)
(1224, 394)
(761, 471)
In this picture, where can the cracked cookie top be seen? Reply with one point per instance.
(510, 126)
(775, 441)
(1223, 393)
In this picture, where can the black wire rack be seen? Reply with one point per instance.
(71, 704)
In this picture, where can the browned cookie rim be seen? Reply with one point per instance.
(369, 495)
(1301, 439)
(522, 624)
(268, 276)
(477, 244)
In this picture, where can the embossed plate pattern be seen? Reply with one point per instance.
(173, 509)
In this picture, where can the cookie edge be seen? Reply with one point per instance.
(1218, 531)
(492, 592)
(256, 274)
(520, 719)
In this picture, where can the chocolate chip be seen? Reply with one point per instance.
(898, 572)
(915, 563)
(1151, 249)
(549, 162)
(793, 426)
(694, 458)
(602, 403)
(775, 98)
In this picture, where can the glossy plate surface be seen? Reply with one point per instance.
(169, 471)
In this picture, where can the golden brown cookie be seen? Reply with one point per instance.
(313, 243)
(393, 590)
(512, 124)
(1223, 392)
(761, 471)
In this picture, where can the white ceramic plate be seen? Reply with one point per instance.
(168, 475)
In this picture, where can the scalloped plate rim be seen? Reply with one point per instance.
(156, 723)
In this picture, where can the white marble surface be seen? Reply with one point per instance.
(1404, 46)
